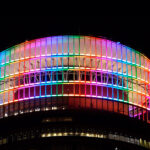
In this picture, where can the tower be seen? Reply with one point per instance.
(84, 92)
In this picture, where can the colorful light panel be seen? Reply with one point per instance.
(90, 66)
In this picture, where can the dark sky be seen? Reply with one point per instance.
(132, 31)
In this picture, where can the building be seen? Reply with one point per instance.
(82, 92)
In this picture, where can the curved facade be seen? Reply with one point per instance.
(91, 72)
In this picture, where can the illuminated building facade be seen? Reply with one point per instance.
(74, 73)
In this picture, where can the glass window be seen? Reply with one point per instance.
(109, 51)
(43, 47)
(98, 47)
(129, 55)
(26, 46)
(49, 45)
(65, 61)
(134, 71)
(87, 49)
(124, 55)
(32, 44)
(12, 54)
(114, 66)
(124, 69)
(65, 45)
(70, 45)
(120, 67)
(93, 63)
(119, 51)
(38, 46)
(93, 48)
(137, 59)
(17, 52)
(60, 50)
(71, 62)
(54, 45)
(104, 50)
(104, 64)
(7, 70)
(114, 50)
(32, 65)
(26, 65)
(133, 57)
(7, 55)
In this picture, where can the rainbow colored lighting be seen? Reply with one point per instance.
(74, 66)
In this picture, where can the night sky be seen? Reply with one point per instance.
(132, 31)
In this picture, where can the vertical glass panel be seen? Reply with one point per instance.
(133, 71)
(142, 74)
(7, 70)
(88, 62)
(16, 68)
(137, 59)
(82, 45)
(38, 50)
(133, 57)
(129, 70)
(2, 72)
(71, 62)
(124, 69)
(1, 98)
(7, 56)
(26, 65)
(65, 61)
(26, 50)
(104, 50)
(11, 69)
(77, 48)
(98, 47)
(124, 55)
(60, 61)
(54, 61)
(60, 50)
(48, 62)
(65, 45)
(99, 64)
(54, 45)
(109, 65)
(119, 67)
(17, 52)
(37, 64)
(3, 57)
(49, 45)
(142, 61)
(70, 45)
(109, 52)
(114, 66)
(129, 55)
(87, 49)
(32, 44)
(104, 65)
(32, 64)
(138, 73)
(119, 51)
(146, 63)
(114, 49)
(77, 61)
(43, 63)
(12, 54)
(146, 76)
(93, 63)
(93, 47)
(43, 47)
